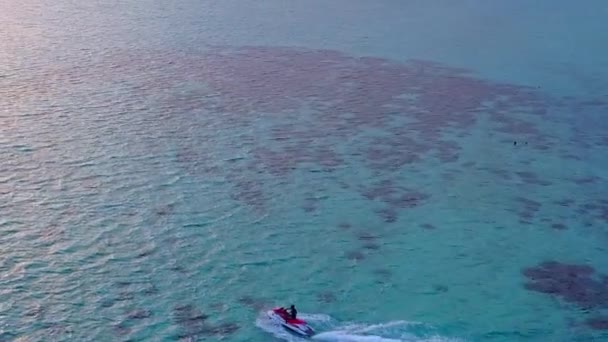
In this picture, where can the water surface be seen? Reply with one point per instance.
(398, 170)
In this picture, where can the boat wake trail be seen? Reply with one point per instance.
(331, 330)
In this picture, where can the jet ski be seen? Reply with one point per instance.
(298, 326)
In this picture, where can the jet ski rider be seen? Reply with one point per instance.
(292, 311)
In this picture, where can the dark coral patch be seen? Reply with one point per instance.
(34, 311)
(125, 296)
(253, 303)
(549, 269)
(428, 226)
(311, 203)
(344, 226)
(178, 269)
(597, 323)
(388, 215)
(528, 209)
(326, 297)
(223, 329)
(188, 315)
(502, 174)
(145, 253)
(139, 314)
(164, 210)
(577, 284)
(597, 209)
(366, 237)
(394, 195)
(438, 288)
(532, 178)
(528, 204)
(379, 190)
(150, 290)
(107, 303)
(586, 180)
(193, 323)
(409, 199)
(309, 207)
(355, 255)
(565, 202)
(217, 331)
(411, 107)
(371, 246)
(383, 273)
(347, 94)
(559, 226)
(250, 193)
(121, 329)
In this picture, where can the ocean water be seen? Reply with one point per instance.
(399, 170)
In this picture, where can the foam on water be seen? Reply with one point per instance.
(332, 330)
(363, 328)
(267, 325)
(340, 336)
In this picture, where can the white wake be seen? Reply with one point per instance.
(330, 330)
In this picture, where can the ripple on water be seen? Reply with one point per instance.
(116, 170)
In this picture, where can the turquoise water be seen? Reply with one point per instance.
(400, 170)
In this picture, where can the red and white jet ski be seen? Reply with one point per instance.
(298, 326)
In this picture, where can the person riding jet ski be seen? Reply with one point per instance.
(287, 317)
(292, 311)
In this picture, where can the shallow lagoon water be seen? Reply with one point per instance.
(399, 171)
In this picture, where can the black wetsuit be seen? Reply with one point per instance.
(293, 312)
